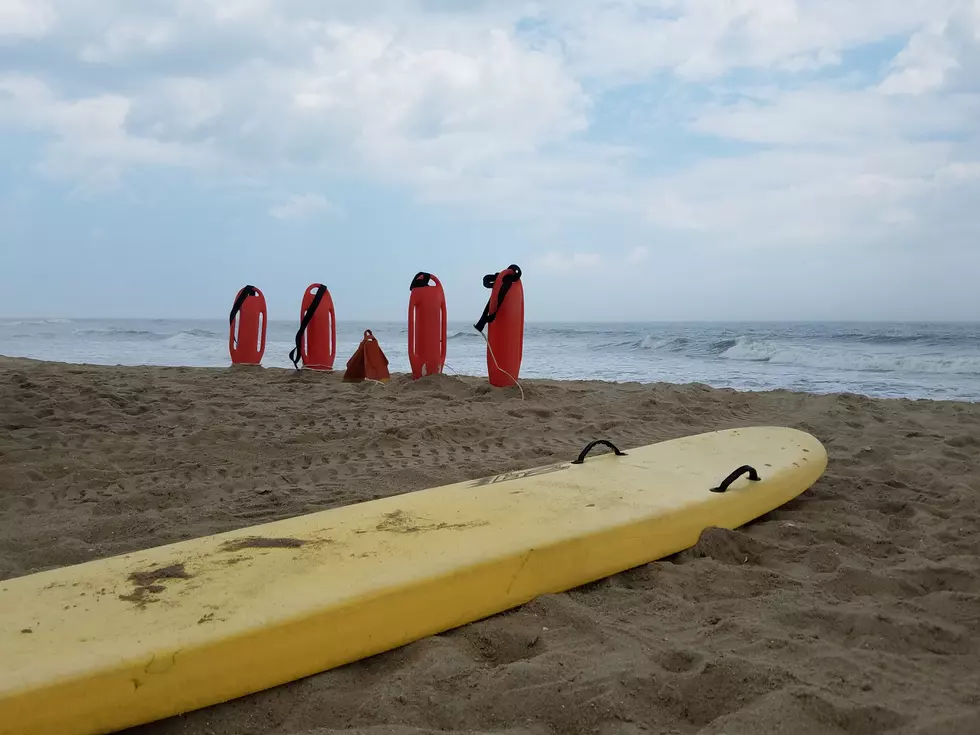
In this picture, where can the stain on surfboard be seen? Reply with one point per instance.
(146, 584)
(519, 475)
(400, 522)
(260, 542)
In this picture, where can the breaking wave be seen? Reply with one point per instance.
(118, 333)
(748, 349)
(671, 344)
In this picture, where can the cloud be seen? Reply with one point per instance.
(440, 103)
(702, 40)
(558, 262)
(90, 140)
(432, 111)
(776, 124)
(922, 66)
(638, 255)
(301, 207)
(829, 162)
(25, 19)
(943, 54)
(825, 115)
(128, 36)
(615, 262)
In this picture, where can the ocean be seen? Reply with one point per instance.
(932, 361)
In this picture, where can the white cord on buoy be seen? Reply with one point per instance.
(490, 349)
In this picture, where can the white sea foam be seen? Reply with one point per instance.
(835, 358)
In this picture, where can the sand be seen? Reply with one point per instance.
(853, 609)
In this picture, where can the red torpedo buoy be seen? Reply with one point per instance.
(246, 327)
(426, 326)
(504, 313)
(316, 338)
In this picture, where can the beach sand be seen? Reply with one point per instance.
(853, 609)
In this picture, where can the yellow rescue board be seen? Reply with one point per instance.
(104, 645)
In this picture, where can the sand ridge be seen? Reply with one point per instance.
(853, 609)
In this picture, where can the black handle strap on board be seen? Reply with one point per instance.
(727, 482)
(421, 279)
(237, 306)
(296, 353)
(249, 290)
(488, 281)
(591, 445)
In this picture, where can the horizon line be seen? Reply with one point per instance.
(363, 320)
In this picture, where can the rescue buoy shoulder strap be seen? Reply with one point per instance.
(421, 279)
(296, 353)
(237, 307)
(488, 282)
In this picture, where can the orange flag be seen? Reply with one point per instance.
(368, 362)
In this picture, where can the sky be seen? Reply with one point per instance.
(639, 160)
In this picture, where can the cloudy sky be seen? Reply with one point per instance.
(640, 159)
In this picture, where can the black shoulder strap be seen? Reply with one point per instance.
(237, 307)
(421, 279)
(488, 282)
(296, 353)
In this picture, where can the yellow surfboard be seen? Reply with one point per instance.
(111, 643)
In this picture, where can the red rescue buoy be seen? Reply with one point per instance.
(504, 313)
(316, 338)
(246, 327)
(426, 326)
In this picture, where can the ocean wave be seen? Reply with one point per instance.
(192, 338)
(653, 343)
(34, 335)
(670, 344)
(465, 334)
(32, 322)
(748, 349)
(118, 332)
(723, 345)
(903, 339)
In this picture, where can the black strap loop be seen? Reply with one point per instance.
(296, 354)
(591, 445)
(488, 282)
(237, 306)
(421, 279)
(727, 482)
(244, 294)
